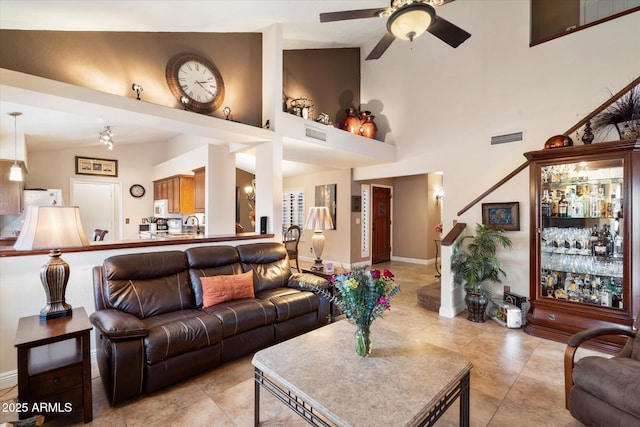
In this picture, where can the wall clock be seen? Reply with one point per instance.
(137, 190)
(197, 80)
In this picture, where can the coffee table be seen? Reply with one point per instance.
(403, 381)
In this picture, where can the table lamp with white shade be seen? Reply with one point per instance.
(54, 228)
(318, 219)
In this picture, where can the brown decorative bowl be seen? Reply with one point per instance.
(558, 141)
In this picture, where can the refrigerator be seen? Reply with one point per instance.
(42, 197)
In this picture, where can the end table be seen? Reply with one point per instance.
(54, 366)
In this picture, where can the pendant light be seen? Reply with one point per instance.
(15, 173)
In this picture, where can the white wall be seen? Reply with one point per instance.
(444, 104)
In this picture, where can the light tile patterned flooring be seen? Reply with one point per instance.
(516, 379)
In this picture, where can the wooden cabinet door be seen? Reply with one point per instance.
(199, 190)
(10, 191)
(186, 197)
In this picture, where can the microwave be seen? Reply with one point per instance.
(161, 208)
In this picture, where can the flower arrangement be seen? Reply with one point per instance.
(438, 228)
(366, 294)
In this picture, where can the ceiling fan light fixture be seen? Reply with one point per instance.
(410, 22)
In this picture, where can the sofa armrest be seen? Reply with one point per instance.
(115, 324)
(574, 343)
(310, 281)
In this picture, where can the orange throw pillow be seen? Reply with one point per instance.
(217, 289)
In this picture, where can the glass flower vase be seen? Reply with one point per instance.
(363, 340)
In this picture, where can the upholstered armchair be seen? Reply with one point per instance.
(602, 391)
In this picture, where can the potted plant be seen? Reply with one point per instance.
(474, 262)
(624, 114)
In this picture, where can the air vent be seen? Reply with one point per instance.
(507, 137)
(315, 134)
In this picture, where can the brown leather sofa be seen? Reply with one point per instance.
(151, 327)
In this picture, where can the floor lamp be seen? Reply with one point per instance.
(52, 227)
(319, 219)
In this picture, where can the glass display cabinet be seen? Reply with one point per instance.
(585, 260)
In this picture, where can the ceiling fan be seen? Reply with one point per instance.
(407, 19)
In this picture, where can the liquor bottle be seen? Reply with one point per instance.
(546, 204)
(563, 206)
(608, 240)
(554, 204)
(568, 281)
(593, 239)
(600, 248)
(602, 201)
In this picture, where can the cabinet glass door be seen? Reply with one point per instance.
(582, 232)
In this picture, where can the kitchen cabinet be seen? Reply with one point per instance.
(10, 191)
(178, 190)
(199, 189)
(585, 261)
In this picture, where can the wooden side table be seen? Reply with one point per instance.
(54, 366)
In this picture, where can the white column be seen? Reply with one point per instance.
(220, 198)
(269, 155)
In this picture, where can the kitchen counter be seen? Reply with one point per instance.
(162, 239)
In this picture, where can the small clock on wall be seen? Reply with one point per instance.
(195, 82)
(137, 190)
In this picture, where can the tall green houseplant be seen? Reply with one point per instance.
(474, 262)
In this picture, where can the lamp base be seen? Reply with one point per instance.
(317, 265)
(54, 277)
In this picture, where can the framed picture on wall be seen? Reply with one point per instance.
(501, 215)
(326, 196)
(101, 167)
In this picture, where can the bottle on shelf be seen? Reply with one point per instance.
(554, 203)
(563, 206)
(546, 204)
(608, 240)
(602, 201)
(594, 202)
(593, 239)
(617, 246)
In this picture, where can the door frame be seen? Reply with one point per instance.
(390, 187)
(116, 187)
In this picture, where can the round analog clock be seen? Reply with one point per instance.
(195, 82)
(137, 190)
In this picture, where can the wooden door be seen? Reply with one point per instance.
(381, 225)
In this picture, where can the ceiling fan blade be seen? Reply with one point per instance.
(381, 47)
(350, 14)
(447, 32)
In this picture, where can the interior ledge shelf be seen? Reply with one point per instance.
(310, 142)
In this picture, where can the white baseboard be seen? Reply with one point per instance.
(9, 379)
(413, 260)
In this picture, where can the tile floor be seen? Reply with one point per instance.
(516, 379)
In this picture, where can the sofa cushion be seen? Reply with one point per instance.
(242, 315)
(217, 289)
(290, 303)
(148, 284)
(183, 331)
(210, 261)
(269, 263)
(612, 380)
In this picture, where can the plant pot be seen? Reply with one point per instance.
(476, 306)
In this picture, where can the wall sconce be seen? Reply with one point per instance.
(227, 112)
(439, 194)
(137, 88)
(106, 137)
(15, 173)
(184, 101)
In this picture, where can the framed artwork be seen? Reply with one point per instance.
(101, 167)
(326, 196)
(502, 215)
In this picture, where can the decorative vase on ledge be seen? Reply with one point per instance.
(367, 126)
(351, 123)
